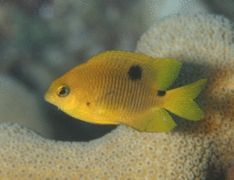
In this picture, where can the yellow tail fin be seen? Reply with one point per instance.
(180, 101)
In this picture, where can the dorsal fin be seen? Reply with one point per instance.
(165, 71)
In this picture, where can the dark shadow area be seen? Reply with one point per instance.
(67, 128)
(214, 174)
(223, 8)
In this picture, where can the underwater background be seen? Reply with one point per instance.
(40, 40)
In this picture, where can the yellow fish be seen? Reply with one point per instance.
(116, 87)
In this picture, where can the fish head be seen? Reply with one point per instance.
(67, 94)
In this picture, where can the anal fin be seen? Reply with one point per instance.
(156, 120)
(161, 121)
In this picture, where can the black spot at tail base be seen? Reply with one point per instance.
(135, 72)
(161, 93)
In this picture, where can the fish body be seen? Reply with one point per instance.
(122, 87)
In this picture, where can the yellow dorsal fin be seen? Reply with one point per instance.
(165, 72)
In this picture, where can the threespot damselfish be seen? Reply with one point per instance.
(116, 87)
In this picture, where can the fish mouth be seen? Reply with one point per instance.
(48, 97)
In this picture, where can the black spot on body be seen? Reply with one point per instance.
(161, 93)
(88, 103)
(135, 72)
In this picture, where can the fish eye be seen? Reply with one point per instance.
(63, 91)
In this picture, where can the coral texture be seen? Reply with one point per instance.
(205, 46)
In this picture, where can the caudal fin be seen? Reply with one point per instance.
(180, 101)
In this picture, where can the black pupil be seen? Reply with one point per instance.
(63, 91)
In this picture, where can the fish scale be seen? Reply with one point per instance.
(116, 98)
